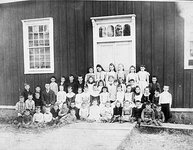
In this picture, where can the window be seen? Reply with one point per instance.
(38, 46)
(188, 44)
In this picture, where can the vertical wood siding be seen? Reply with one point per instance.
(159, 43)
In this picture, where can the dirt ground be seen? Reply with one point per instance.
(157, 141)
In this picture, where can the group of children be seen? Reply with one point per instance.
(100, 96)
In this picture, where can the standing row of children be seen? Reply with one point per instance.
(102, 96)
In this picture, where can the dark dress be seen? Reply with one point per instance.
(54, 112)
(73, 85)
(117, 113)
(153, 87)
(69, 100)
(80, 85)
(76, 111)
(38, 102)
(136, 112)
(145, 99)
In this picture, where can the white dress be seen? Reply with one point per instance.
(54, 87)
(112, 91)
(84, 112)
(94, 113)
(112, 73)
(143, 77)
(100, 76)
(61, 98)
(104, 97)
(86, 98)
(78, 100)
(120, 97)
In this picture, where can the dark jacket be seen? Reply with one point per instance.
(48, 97)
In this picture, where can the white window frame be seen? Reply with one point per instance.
(113, 20)
(31, 22)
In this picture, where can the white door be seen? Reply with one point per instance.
(116, 53)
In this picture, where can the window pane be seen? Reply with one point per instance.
(37, 58)
(41, 58)
(42, 65)
(35, 35)
(102, 31)
(30, 43)
(47, 42)
(41, 28)
(31, 51)
(31, 58)
(35, 29)
(46, 28)
(32, 65)
(41, 35)
(127, 30)
(36, 51)
(110, 31)
(30, 29)
(41, 42)
(47, 36)
(47, 58)
(37, 65)
(35, 42)
(47, 50)
(30, 36)
(47, 64)
(42, 51)
(118, 30)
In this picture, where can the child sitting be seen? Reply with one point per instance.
(104, 96)
(159, 115)
(155, 99)
(86, 96)
(38, 117)
(148, 115)
(136, 113)
(55, 110)
(70, 96)
(146, 97)
(72, 106)
(83, 112)
(63, 111)
(94, 113)
(48, 116)
(37, 100)
(154, 85)
(26, 119)
(129, 95)
(79, 98)
(20, 106)
(120, 94)
(95, 94)
(112, 89)
(61, 96)
(30, 104)
(117, 112)
(69, 118)
(106, 112)
(101, 84)
(126, 112)
(90, 84)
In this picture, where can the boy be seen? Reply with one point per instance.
(54, 85)
(117, 112)
(72, 106)
(38, 117)
(30, 104)
(148, 115)
(37, 100)
(63, 111)
(55, 110)
(61, 96)
(48, 116)
(26, 91)
(159, 115)
(26, 119)
(165, 100)
(132, 84)
(72, 83)
(136, 113)
(154, 85)
(80, 83)
(83, 112)
(48, 96)
(155, 99)
(69, 118)
(20, 106)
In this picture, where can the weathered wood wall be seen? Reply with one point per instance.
(159, 41)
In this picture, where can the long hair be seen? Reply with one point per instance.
(99, 67)
(111, 64)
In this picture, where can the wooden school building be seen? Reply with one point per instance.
(42, 38)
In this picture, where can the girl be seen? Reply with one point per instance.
(132, 75)
(94, 112)
(104, 96)
(90, 73)
(121, 82)
(117, 112)
(126, 112)
(121, 72)
(61, 96)
(137, 94)
(54, 85)
(112, 72)
(70, 96)
(63, 82)
(106, 112)
(112, 89)
(120, 94)
(143, 77)
(129, 96)
(84, 112)
(95, 94)
(90, 84)
(146, 97)
(79, 98)
(101, 84)
(86, 96)
(101, 74)
(155, 99)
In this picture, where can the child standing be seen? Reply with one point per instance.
(104, 96)
(90, 73)
(101, 74)
(101, 84)
(70, 96)
(20, 106)
(132, 75)
(80, 83)
(86, 96)
(143, 77)
(94, 112)
(54, 85)
(117, 112)
(26, 91)
(122, 83)
(90, 84)
(61, 96)
(155, 99)
(79, 98)
(83, 112)
(129, 95)
(137, 94)
(95, 94)
(30, 104)
(37, 100)
(126, 112)
(63, 83)
(112, 72)
(121, 72)
(154, 85)
(166, 101)
(71, 82)
(146, 97)
(120, 94)
(112, 89)
(107, 112)
(159, 115)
